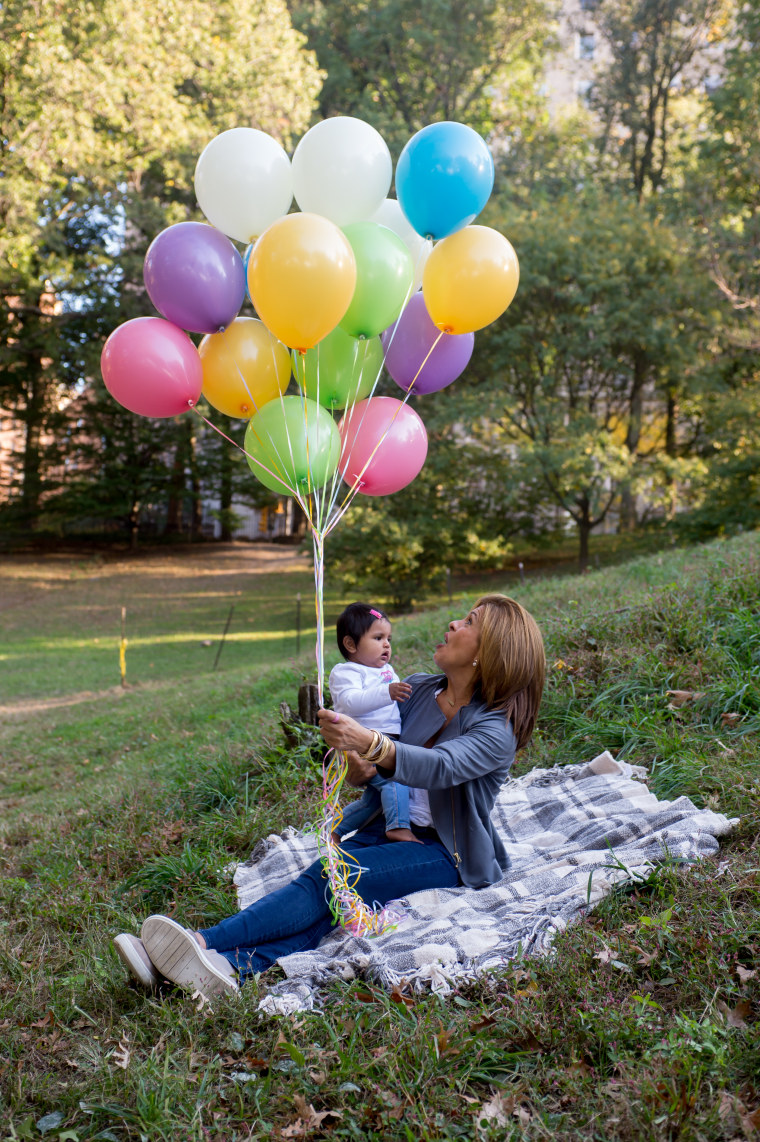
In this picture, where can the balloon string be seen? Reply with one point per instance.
(293, 491)
(355, 486)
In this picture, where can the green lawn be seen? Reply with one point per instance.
(121, 802)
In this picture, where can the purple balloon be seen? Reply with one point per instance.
(408, 343)
(195, 277)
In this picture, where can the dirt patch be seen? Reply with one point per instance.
(26, 706)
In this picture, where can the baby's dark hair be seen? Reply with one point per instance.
(356, 621)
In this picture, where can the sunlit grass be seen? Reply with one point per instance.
(141, 798)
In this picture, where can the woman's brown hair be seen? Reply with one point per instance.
(511, 663)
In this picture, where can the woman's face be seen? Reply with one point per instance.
(461, 643)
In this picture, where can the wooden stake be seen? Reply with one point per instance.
(224, 635)
(123, 647)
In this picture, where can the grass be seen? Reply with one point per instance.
(644, 1023)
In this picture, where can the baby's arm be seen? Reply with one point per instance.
(351, 697)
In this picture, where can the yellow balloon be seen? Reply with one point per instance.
(243, 368)
(301, 278)
(470, 278)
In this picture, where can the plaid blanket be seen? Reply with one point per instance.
(571, 833)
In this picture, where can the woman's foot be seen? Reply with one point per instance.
(131, 951)
(402, 835)
(178, 955)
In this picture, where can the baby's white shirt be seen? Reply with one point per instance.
(362, 693)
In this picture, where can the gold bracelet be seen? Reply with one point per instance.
(385, 749)
(369, 753)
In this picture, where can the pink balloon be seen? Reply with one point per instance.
(152, 367)
(383, 445)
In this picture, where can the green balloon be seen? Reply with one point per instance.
(384, 277)
(298, 442)
(339, 370)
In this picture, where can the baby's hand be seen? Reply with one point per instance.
(399, 691)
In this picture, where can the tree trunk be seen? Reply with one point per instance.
(195, 490)
(628, 518)
(134, 525)
(33, 416)
(583, 520)
(225, 493)
(176, 504)
(671, 442)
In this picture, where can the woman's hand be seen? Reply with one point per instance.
(342, 732)
(358, 771)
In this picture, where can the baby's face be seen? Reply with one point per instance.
(374, 647)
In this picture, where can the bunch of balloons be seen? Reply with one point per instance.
(352, 282)
(334, 287)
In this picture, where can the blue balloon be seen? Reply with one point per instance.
(444, 178)
(246, 260)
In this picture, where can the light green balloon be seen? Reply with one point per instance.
(339, 370)
(384, 276)
(298, 442)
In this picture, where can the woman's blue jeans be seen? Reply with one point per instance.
(296, 917)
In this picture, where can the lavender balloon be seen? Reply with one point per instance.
(408, 355)
(194, 277)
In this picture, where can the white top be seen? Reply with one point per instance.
(362, 693)
(419, 807)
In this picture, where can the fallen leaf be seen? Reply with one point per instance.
(735, 1017)
(202, 1002)
(730, 719)
(122, 1054)
(47, 1020)
(743, 974)
(643, 958)
(496, 1111)
(309, 1119)
(604, 956)
(398, 996)
(680, 698)
(486, 1021)
(726, 1105)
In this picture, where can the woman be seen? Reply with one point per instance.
(460, 731)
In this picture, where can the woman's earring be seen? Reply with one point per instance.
(475, 662)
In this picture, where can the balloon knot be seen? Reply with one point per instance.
(221, 329)
(191, 404)
(301, 352)
(446, 329)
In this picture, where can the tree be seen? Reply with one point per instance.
(612, 319)
(103, 114)
(401, 64)
(654, 54)
(727, 174)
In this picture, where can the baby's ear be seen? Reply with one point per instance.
(349, 645)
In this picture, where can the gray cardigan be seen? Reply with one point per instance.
(462, 773)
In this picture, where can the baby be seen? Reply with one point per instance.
(367, 688)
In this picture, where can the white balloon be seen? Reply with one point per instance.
(391, 215)
(243, 182)
(342, 169)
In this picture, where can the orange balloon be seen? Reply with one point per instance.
(301, 278)
(470, 278)
(243, 368)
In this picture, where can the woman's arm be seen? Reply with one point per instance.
(486, 746)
